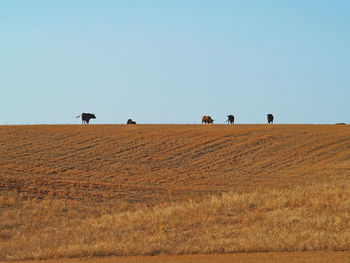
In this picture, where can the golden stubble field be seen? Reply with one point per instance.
(115, 190)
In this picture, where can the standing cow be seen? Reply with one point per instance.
(85, 117)
(270, 118)
(230, 119)
(207, 119)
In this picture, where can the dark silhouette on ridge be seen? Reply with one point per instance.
(270, 118)
(85, 117)
(130, 121)
(230, 119)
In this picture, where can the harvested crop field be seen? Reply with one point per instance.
(117, 190)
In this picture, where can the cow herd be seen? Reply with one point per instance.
(231, 119)
(85, 118)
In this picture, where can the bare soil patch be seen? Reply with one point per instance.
(310, 257)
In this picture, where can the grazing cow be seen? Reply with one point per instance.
(270, 118)
(130, 121)
(207, 119)
(230, 119)
(85, 117)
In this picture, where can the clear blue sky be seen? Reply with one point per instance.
(174, 61)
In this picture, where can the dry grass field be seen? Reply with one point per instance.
(75, 191)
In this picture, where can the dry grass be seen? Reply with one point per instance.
(312, 217)
(73, 191)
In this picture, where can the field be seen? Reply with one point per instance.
(77, 191)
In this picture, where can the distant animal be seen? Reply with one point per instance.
(207, 119)
(85, 117)
(230, 119)
(270, 118)
(130, 121)
(340, 123)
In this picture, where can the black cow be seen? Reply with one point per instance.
(130, 121)
(230, 119)
(85, 117)
(270, 118)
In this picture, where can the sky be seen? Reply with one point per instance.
(174, 61)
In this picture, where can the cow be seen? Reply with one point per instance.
(130, 121)
(230, 119)
(207, 119)
(85, 117)
(270, 118)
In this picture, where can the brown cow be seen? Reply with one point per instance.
(207, 119)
